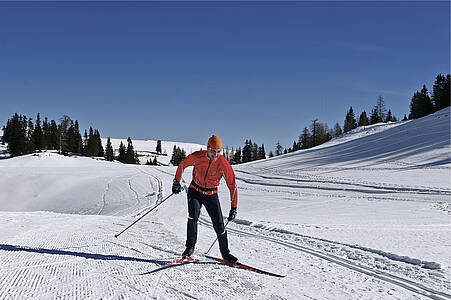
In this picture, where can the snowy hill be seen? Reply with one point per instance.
(147, 149)
(364, 216)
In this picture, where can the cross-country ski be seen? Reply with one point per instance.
(243, 266)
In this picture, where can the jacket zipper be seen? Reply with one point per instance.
(205, 178)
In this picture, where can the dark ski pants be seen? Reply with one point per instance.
(213, 207)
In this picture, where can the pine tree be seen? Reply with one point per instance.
(63, 138)
(109, 152)
(405, 118)
(389, 117)
(92, 145)
(38, 135)
(85, 144)
(130, 157)
(158, 147)
(337, 130)
(15, 135)
(177, 156)
(304, 139)
(261, 151)
(155, 162)
(374, 118)
(45, 134)
(78, 142)
(350, 122)
(271, 154)
(98, 144)
(237, 156)
(122, 153)
(441, 92)
(420, 104)
(53, 144)
(381, 110)
(29, 140)
(363, 119)
(279, 149)
(255, 154)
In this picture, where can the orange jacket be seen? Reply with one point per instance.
(207, 174)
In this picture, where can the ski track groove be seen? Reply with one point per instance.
(385, 188)
(133, 190)
(383, 276)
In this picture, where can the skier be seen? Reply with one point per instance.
(209, 167)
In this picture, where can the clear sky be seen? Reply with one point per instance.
(181, 71)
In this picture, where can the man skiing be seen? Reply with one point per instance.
(209, 167)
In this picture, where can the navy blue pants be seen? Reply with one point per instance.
(213, 207)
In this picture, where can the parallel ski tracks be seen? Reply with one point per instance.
(372, 187)
(383, 276)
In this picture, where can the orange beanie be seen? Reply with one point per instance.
(215, 142)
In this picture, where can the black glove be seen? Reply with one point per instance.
(176, 187)
(232, 214)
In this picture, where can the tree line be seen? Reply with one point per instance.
(318, 133)
(25, 136)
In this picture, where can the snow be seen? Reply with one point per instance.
(364, 216)
(147, 149)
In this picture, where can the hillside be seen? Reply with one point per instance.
(364, 216)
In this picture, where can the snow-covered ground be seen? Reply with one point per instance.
(364, 216)
(147, 149)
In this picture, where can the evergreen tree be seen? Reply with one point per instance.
(85, 144)
(29, 140)
(15, 135)
(38, 135)
(337, 130)
(177, 156)
(271, 154)
(441, 92)
(350, 122)
(314, 130)
(381, 110)
(420, 104)
(92, 147)
(53, 138)
(78, 142)
(130, 157)
(237, 156)
(155, 162)
(405, 118)
(255, 154)
(45, 134)
(122, 153)
(247, 152)
(363, 119)
(279, 149)
(109, 152)
(374, 118)
(158, 146)
(98, 144)
(63, 134)
(389, 117)
(304, 139)
(261, 152)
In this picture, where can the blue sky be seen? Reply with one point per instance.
(181, 71)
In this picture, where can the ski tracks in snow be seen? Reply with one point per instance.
(369, 262)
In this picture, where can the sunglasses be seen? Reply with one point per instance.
(215, 150)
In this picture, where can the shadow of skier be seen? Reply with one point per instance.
(86, 255)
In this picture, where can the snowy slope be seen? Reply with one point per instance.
(364, 216)
(147, 149)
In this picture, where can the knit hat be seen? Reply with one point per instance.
(214, 142)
